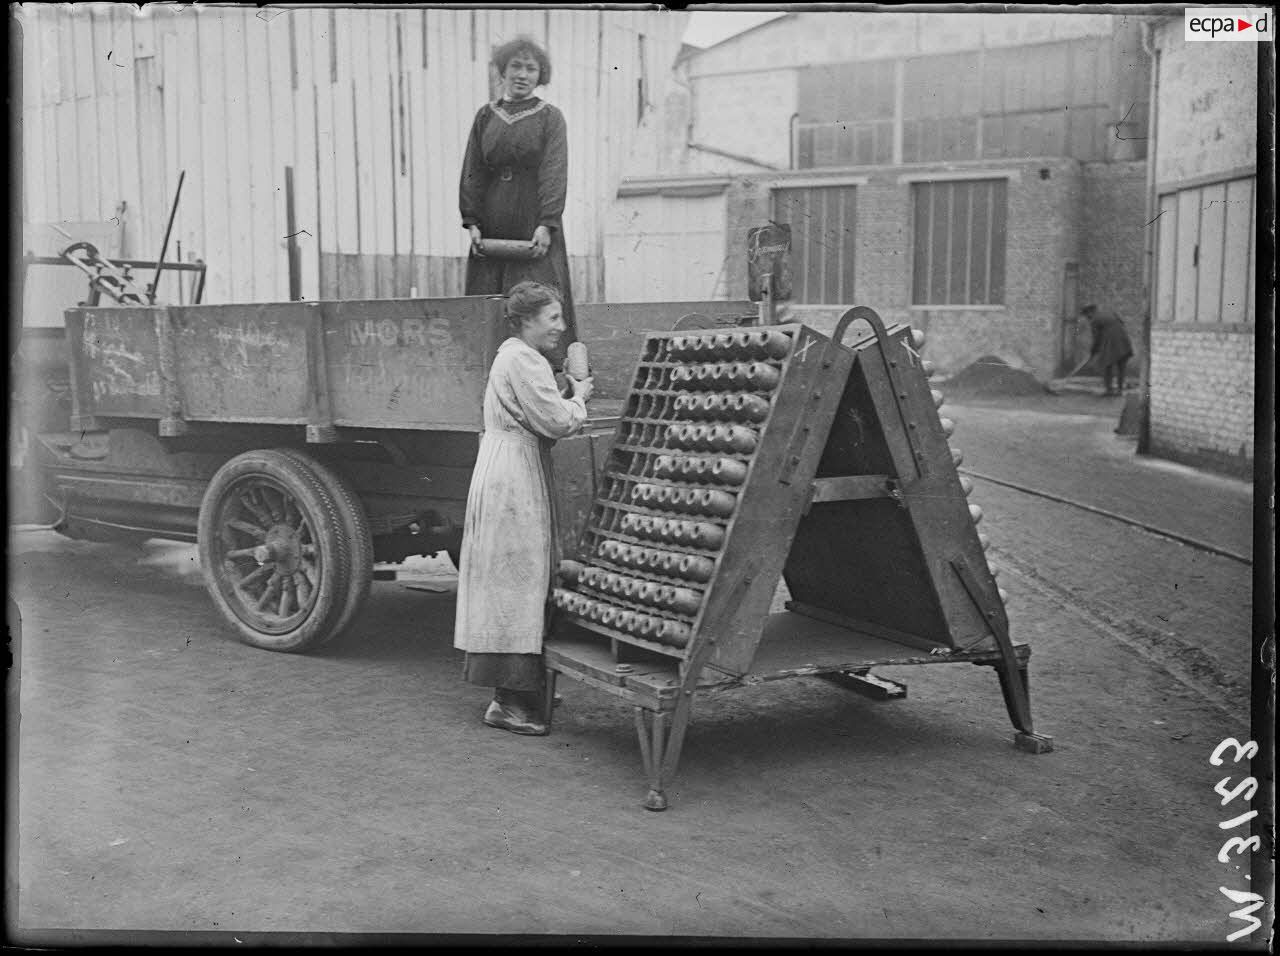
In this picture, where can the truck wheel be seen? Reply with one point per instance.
(275, 551)
(359, 536)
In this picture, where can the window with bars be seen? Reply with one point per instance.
(959, 243)
(1206, 254)
(822, 220)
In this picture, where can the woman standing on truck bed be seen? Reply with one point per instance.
(513, 182)
(509, 540)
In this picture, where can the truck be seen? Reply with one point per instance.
(297, 443)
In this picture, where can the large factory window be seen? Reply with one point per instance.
(846, 115)
(822, 220)
(1206, 254)
(959, 242)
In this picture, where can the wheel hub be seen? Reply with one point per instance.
(282, 547)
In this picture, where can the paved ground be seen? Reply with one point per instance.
(171, 778)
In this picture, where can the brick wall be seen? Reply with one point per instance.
(1202, 376)
(1043, 233)
(1202, 397)
(1111, 253)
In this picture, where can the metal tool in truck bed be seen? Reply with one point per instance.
(745, 454)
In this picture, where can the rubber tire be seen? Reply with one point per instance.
(330, 534)
(359, 535)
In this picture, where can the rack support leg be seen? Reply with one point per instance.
(651, 728)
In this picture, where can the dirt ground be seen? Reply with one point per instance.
(170, 778)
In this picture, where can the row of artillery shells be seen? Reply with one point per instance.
(646, 626)
(707, 501)
(690, 567)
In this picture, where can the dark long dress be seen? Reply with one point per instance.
(514, 176)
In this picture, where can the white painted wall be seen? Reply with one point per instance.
(665, 248)
(115, 102)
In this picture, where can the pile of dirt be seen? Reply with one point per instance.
(990, 375)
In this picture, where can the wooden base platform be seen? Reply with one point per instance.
(792, 645)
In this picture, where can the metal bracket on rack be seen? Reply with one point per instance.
(909, 428)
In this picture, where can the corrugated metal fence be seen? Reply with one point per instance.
(322, 146)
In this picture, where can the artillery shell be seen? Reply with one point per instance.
(570, 571)
(703, 535)
(773, 344)
(749, 408)
(975, 513)
(948, 426)
(718, 503)
(630, 523)
(1004, 595)
(928, 367)
(643, 625)
(722, 342)
(716, 437)
(917, 338)
(726, 471)
(984, 541)
(740, 439)
(664, 465)
(575, 361)
(625, 620)
(956, 457)
(672, 632)
(695, 568)
(683, 601)
(761, 377)
(938, 397)
(662, 596)
(966, 485)
(608, 614)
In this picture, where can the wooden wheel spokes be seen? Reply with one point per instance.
(268, 554)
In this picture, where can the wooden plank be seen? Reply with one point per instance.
(212, 183)
(81, 50)
(305, 169)
(35, 166)
(1213, 222)
(326, 227)
(1166, 278)
(344, 145)
(88, 152)
(277, 152)
(364, 51)
(67, 206)
(48, 130)
(852, 488)
(240, 185)
(189, 224)
(416, 105)
(380, 112)
(1188, 235)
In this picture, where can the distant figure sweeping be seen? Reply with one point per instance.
(1111, 346)
(514, 176)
